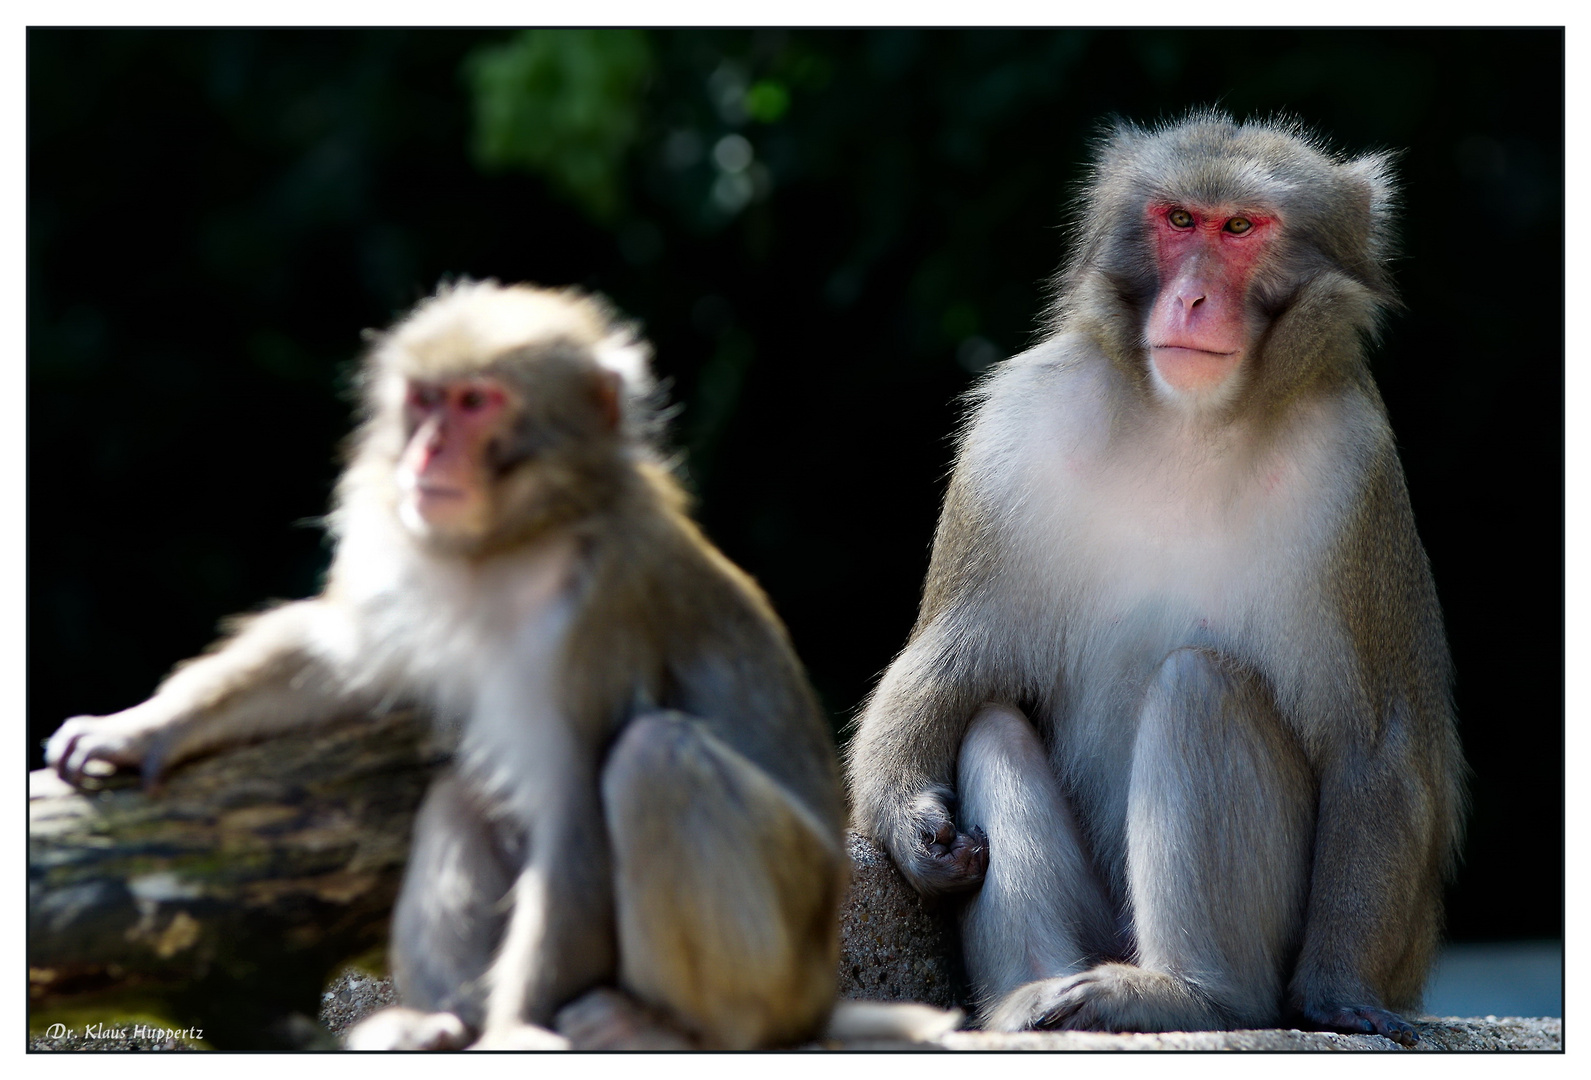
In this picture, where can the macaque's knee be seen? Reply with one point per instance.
(1000, 729)
(1000, 748)
(1195, 679)
(1204, 706)
(1003, 781)
(646, 761)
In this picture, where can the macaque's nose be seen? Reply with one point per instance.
(1191, 300)
(424, 444)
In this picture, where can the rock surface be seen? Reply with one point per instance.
(893, 947)
(1447, 1033)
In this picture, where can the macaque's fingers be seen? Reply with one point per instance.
(963, 858)
(97, 745)
(1067, 1000)
(1362, 1020)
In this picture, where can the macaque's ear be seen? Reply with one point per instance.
(624, 360)
(608, 390)
(1375, 194)
(1373, 174)
(627, 356)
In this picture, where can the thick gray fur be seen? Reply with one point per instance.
(1202, 645)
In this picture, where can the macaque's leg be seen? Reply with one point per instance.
(727, 888)
(1041, 912)
(445, 928)
(1220, 820)
(450, 915)
(558, 941)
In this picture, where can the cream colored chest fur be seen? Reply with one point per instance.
(1167, 534)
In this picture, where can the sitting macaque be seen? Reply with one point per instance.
(639, 838)
(1174, 720)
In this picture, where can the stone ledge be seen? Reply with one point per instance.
(1444, 1034)
(893, 947)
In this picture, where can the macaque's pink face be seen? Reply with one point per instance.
(445, 474)
(1198, 331)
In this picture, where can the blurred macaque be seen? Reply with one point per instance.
(639, 839)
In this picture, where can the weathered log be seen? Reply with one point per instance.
(226, 900)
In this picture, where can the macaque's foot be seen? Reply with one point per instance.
(408, 1029)
(1110, 997)
(1361, 1020)
(93, 746)
(607, 1019)
(520, 1037)
(909, 1020)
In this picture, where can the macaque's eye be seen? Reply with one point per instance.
(472, 400)
(425, 397)
(1180, 219)
(1239, 226)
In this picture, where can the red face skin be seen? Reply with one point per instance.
(1206, 257)
(443, 471)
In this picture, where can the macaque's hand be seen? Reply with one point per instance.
(940, 858)
(141, 737)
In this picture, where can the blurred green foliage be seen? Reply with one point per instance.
(826, 233)
(563, 103)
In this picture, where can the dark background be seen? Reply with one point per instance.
(213, 216)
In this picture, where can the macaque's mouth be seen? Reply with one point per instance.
(426, 491)
(1190, 349)
(1192, 370)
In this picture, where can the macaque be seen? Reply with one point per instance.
(638, 841)
(1174, 720)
